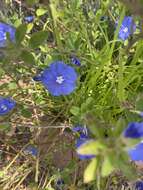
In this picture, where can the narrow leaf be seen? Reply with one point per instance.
(41, 11)
(107, 167)
(90, 171)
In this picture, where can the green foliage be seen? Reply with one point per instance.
(20, 33)
(108, 94)
(27, 57)
(90, 171)
(37, 39)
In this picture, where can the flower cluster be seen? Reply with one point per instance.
(6, 105)
(4, 29)
(59, 78)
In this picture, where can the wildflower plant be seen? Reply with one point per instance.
(101, 94)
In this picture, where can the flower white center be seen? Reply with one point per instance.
(125, 29)
(60, 79)
(5, 36)
(3, 107)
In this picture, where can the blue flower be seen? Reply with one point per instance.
(60, 182)
(6, 28)
(29, 18)
(6, 105)
(139, 185)
(80, 129)
(31, 150)
(134, 130)
(83, 138)
(59, 78)
(75, 61)
(136, 153)
(127, 28)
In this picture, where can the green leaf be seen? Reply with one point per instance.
(41, 11)
(75, 110)
(27, 57)
(20, 33)
(122, 161)
(91, 147)
(90, 171)
(107, 167)
(37, 39)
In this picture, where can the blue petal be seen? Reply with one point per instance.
(134, 130)
(130, 25)
(69, 74)
(136, 153)
(31, 150)
(6, 105)
(37, 78)
(29, 18)
(78, 128)
(54, 89)
(139, 185)
(67, 88)
(5, 28)
(75, 61)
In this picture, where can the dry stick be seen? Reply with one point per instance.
(37, 169)
(40, 182)
(23, 178)
(18, 154)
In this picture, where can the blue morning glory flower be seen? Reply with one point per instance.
(29, 18)
(59, 78)
(75, 61)
(6, 105)
(136, 153)
(83, 138)
(139, 185)
(31, 150)
(127, 28)
(6, 28)
(134, 130)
